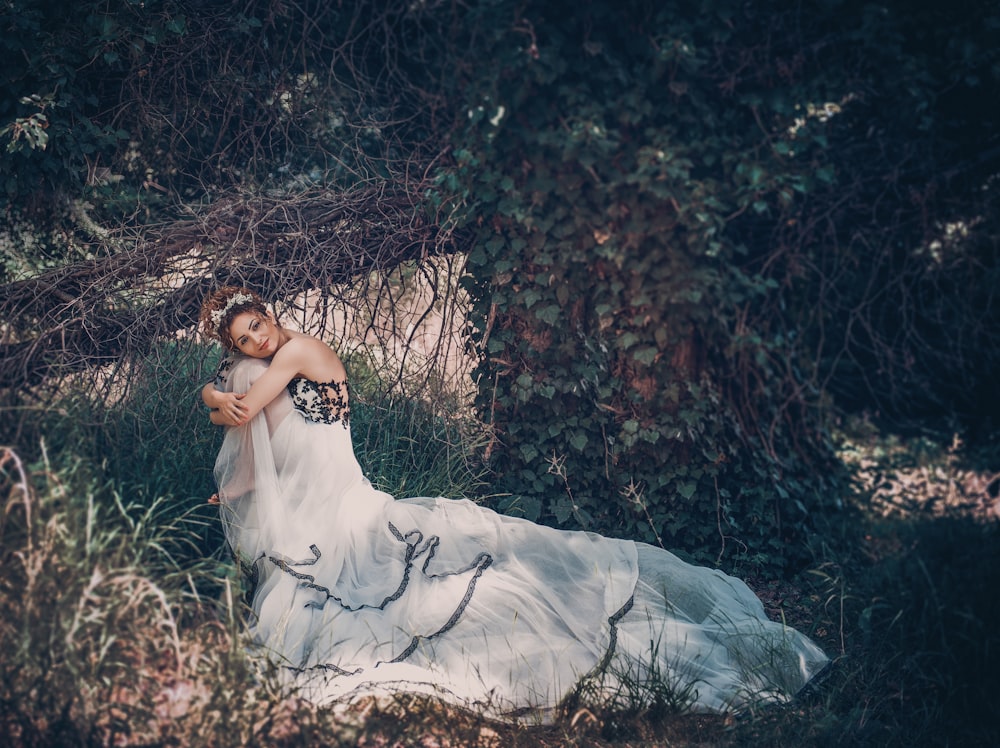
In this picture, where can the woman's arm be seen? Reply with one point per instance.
(208, 396)
(298, 356)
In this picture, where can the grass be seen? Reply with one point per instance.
(120, 621)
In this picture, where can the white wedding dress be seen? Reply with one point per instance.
(353, 591)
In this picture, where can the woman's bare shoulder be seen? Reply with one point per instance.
(300, 346)
(315, 358)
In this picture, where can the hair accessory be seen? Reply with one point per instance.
(235, 300)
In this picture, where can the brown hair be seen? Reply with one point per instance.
(217, 312)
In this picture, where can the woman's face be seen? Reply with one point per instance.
(255, 334)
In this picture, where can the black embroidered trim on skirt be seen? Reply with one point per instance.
(570, 701)
(613, 643)
(324, 666)
(416, 546)
(486, 560)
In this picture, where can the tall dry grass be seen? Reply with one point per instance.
(108, 640)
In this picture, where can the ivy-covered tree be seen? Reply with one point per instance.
(689, 216)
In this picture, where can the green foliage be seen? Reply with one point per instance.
(61, 61)
(135, 110)
(106, 640)
(695, 226)
(698, 226)
(90, 604)
(605, 167)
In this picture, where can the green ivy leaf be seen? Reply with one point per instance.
(548, 314)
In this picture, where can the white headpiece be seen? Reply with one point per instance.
(235, 300)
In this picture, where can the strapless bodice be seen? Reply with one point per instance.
(321, 402)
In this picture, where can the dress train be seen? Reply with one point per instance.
(353, 591)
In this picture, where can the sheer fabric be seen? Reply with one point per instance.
(353, 590)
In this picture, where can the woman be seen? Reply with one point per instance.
(492, 611)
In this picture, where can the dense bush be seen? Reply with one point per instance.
(694, 234)
(631, 388)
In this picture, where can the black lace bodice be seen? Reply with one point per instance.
(322, 402)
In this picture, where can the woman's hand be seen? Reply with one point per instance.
(230, 408)
(227, 410)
